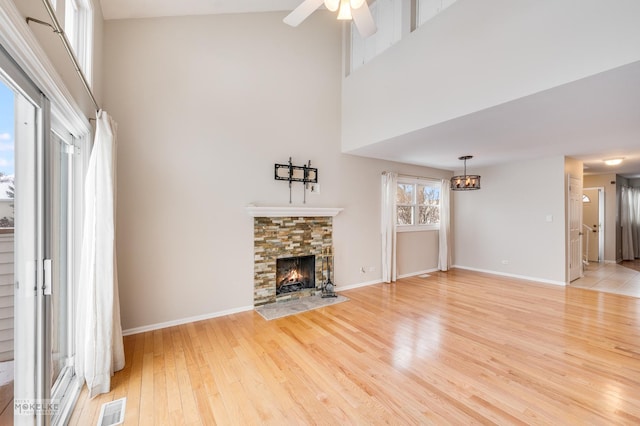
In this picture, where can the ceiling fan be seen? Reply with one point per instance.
(358, 10)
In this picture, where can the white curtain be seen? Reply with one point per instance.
(388, 226)
(99, 346)
(444, 247)
(630, 222)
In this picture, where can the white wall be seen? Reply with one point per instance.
(610, 210)
(506, 220)
(461, 62)
(206, 106)
(635, 183)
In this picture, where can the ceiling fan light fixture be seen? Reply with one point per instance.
(345, 11)
(356, 4)
(332, 5)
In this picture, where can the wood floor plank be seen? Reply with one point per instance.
(455, 348)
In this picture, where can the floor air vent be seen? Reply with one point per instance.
(112, 413)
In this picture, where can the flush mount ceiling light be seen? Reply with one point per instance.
(613, 161)
(465, 182)
(358, 10)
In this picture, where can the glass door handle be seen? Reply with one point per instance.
(47, 277)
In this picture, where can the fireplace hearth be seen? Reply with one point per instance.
(294, 274)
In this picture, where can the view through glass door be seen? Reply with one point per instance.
(7, 274)
(20, 120)
(36, 256)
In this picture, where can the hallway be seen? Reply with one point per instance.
(621, 278)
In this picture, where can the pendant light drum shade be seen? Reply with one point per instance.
(465, 182)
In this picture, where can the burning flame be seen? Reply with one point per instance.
(292, 276)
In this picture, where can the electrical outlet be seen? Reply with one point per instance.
(505, 262)
(372, 268)
(315, 188)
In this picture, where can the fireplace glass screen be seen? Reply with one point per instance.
(295, 273)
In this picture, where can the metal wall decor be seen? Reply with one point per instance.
(305, 174)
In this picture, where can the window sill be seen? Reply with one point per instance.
(417, 228)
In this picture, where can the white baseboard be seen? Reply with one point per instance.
(357, 285)
(367, 283)
(520, 277)
(413, 274)
(181, 321)
(613, 261)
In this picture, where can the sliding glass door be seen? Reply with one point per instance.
(23, 136)
(41, 219)
(61, 231)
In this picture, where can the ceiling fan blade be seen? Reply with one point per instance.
(364, 20)
(302, 12)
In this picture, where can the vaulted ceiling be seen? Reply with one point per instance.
(592, 119)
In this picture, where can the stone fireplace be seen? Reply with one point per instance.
(288, 244)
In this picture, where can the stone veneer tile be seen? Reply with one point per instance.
(280, 237)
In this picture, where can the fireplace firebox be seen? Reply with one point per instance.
(295, 273)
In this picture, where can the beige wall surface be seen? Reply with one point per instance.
(610, 210)
(513, 229)
(417, 252)
(438, 73)
(206, 106)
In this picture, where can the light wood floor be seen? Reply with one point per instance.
(456, 348)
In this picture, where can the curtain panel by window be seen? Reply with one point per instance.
(630, 223)
(444, 235)
(388, 226)
(99, 346)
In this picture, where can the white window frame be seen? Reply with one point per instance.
(414, 227)
(78, 27)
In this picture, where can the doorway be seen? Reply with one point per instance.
(575, 233)
(593, 220)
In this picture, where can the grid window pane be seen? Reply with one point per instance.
(405, 215)
(418, 205)
(428, 215)
(428, 195)
(404, 195)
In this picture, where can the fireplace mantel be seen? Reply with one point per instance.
(292, 211)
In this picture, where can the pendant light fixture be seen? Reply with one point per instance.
(344, 14)
(465, 182)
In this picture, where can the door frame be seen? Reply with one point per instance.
(601, 219)
(574, 246)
